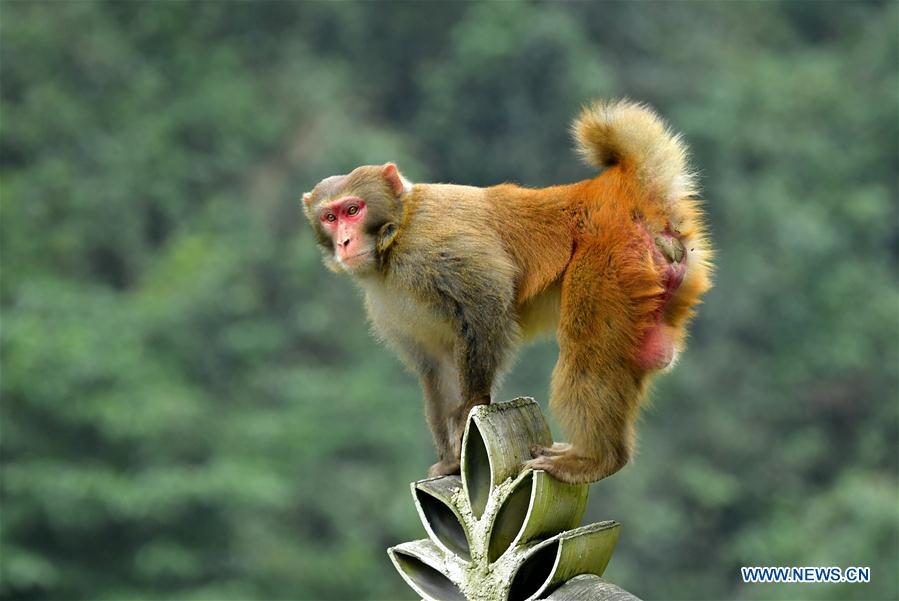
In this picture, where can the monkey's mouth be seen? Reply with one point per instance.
(355, 259)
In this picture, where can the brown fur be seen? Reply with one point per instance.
(615, 263)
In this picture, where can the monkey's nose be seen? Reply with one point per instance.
(345, 242)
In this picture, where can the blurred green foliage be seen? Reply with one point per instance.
(193, 407)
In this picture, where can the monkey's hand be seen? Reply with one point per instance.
(566, 467)
(444, 468)
(563, 463)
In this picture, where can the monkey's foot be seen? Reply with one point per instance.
(444, 468)
(569, 467)
(558, 448)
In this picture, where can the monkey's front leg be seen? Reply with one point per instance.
(477, 303)
(479, 352)
(441, 395)
(451, 390)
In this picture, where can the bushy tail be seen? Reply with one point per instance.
(631, 135)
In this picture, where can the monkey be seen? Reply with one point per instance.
(457, 277)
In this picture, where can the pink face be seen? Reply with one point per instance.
(343, 219)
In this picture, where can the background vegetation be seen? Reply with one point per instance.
(192, 405)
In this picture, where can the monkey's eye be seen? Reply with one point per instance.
(352, 210)
(330, 217)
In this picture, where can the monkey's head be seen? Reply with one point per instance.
(357, 217)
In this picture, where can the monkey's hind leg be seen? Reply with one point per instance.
(558, 448)
(596, 387)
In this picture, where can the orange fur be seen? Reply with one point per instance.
(615, 315)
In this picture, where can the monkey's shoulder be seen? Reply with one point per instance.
(447, 195)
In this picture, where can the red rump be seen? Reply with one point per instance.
(656, 350)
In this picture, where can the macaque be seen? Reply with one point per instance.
(457, 277)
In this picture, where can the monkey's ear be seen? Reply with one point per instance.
(399, 184)
(307, 204)
(386, 236)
